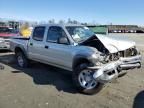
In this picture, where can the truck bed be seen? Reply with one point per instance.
(18, 41)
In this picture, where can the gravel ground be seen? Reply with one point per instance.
(43, 86)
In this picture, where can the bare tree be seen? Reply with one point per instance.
(86, 24)
(75, 22)
(25, 25)
(61, 22)
(42, 22)
(69, 21)
(51, 21)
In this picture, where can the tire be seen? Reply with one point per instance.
(76, 79)
(21, 59)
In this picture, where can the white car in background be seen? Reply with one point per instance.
(5, 34)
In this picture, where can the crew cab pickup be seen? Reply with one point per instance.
(93, 60)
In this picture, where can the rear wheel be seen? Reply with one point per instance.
(21, 59)
(83, 79)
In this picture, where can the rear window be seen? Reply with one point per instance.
(38, 33)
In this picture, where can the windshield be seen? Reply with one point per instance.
(79, 33)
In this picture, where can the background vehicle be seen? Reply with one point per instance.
(25, 31)
(5, 34)
(94, 60)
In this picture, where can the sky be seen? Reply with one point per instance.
(91, 11)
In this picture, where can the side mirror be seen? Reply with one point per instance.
(63, 40)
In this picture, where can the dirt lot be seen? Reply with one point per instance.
(43, 86)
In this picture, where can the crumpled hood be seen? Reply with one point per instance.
(115, 45)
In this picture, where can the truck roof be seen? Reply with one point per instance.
(61, 25)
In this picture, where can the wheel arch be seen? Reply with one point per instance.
(20, 49)
(79, 60)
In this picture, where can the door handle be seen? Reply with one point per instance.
(46, 47)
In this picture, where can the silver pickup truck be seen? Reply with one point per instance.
(93, 60)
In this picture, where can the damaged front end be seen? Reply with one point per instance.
(116, 58)
(112, 70)
(115, 63)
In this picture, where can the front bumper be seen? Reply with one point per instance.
(110, 71)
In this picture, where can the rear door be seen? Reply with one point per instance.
(36, 43)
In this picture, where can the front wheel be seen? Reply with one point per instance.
(83, 79)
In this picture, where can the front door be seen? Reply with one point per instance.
(58, 54)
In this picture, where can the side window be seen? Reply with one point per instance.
(54, 33)
(38, 33)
